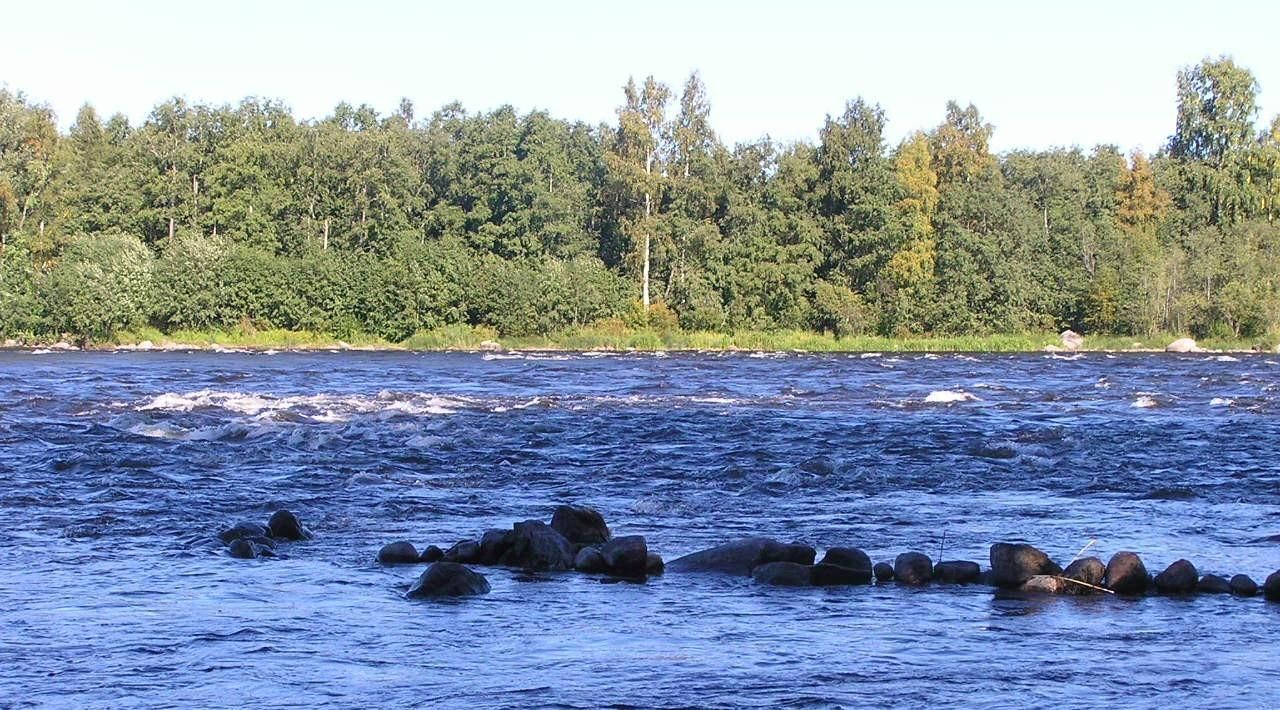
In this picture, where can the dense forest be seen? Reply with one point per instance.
(223, 217)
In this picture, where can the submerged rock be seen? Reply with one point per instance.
(957, 572)
(1126, 574)
(1242, 585)
(286, 526)
(398, 553)
(913, 568)
(1180, 577)
(448, 579)
(536, 546)
(580, 526)
(1089, 570)
(1213, 584)
(247, 548)
(883, 572)
(626, 556)
(1013, 564)
(818, 466)
(787, 574)
(738, 557)
(241, 530)
(1271, 587)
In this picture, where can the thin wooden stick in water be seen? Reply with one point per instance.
(942, 545)
(1084, 584)
(1091, 543)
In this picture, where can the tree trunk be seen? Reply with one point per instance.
(170, 229)
(644, 283)
(326, 234)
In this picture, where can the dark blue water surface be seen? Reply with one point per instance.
(119, 469)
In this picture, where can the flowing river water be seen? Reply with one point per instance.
(117, 470)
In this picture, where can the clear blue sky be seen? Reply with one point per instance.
(1044, 74)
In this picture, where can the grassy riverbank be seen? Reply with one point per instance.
(619, 338)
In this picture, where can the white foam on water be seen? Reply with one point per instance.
(1145, 402)
(41, 351)
(949, 396)
(324, 408)
(1221, 402)
(1224, 358)
(867, 356)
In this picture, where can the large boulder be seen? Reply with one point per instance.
(883, 572)
(913, 568)
(493, 545)
(1182, 345)
(536, 546)
(1242, 585)
(448, 579)
(1126, 574)
(956, 572)
(1013, 564)
(787, 574)
(1089, 571)
(1072, 340)
(431, 554)
(580, 526)
(241, 530)
(850, 557)
(626, 556)
(740, 556)
(464, 552)
(286, 526)
(398, 553)
(1271, 587)
(1213, 584)
(1180, 577)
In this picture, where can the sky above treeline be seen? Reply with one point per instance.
(1045, 74)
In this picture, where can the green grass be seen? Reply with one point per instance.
(615, 336)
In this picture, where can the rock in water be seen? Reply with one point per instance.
(248, 548)
(957, 572)
(1180, 577)
(1126, 574)
(1044, 584)
(493, 545)
(736, 557)
(654, 566)
(1213, 584)
(883, 572)
(850, 557)
(1014, 564)
(1089, 570)
(241, 530)
(431, 554)
(1182, 345)
(824, 574)
(626, 556)
(1242, 585)
(398, 553)
(1072, 340)
(786, 574)
(448, 579)
(464, 552)
(589, 560)
(580, 526)
(286, 526)
(536, 546)
(1271, 587)
(796, 552)
(819, 466)
(913, 568)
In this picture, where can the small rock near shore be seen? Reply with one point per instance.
(448, 579)
(401, 552)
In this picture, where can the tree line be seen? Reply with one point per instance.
(218, 217)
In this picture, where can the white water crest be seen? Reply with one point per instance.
(324, 408)
(1145, 401)
(949, 396)
(1221, 402)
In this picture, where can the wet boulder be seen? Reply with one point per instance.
(1088, 572)
(464, 552)
(589, 560)
(785, 574)
(626, 556)
(248, 548)
(1126, 574)
(883, 572)
(1044, 584)
(957, 572)
(825, 574)
(913, 568)
(493, 545)
(654, 566)
(240, 530)
(580, 526)
(1013, 564)
(398, 553)
(850, 557)
(284, 525)
(431, 554)
(1271, 587)
(819, 466)
(738, 557)
(448, 579)
(1242, 585)
(1213, 584)
(796, 552)
(536, 546)
(1180, 577)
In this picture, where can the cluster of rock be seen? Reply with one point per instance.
(247, 540)
(576, 539)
